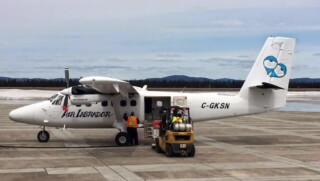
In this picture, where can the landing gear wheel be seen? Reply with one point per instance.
(43, 136)
(169, 151)
(192, 152)
(157, 148)
(122, 139)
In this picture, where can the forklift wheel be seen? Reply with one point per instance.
(169, 151)
(192, 152)
(157, 147)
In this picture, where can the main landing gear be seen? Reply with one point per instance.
(122, 139)
(43, 136)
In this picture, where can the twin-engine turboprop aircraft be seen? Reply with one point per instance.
(101, 102)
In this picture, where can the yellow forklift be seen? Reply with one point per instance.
(174, 138)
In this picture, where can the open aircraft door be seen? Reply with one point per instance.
(152, 107)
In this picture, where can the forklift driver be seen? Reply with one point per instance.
(177, 119)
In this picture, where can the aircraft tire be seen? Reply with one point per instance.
(43, 136)
(122, 139)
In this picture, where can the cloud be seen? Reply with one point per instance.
(243, 56)
(229, 62)
(316, 54)
(228, 22)
(169, 55)
(239, 64)
(168, 60)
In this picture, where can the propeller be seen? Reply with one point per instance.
(66, 75)
(67, 78)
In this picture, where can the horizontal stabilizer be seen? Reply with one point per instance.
(266, 85)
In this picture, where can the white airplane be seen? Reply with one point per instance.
(101, 102)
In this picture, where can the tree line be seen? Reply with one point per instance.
(151, 83)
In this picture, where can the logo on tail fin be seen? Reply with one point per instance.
(274, 68)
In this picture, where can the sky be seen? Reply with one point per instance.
(147, 39)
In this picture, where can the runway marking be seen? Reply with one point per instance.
(26, 170)
(45, 158)
(125, 173)
(199, 179)
(249, 165)
(71, 170)
(109, 174)
(167, 167)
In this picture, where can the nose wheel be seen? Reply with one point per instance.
(43, 136)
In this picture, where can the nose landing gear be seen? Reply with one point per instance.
(43, 136)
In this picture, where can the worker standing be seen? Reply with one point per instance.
(132, 125)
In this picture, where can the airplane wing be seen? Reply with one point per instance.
(107, 85)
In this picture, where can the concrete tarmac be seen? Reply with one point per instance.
(269, 146)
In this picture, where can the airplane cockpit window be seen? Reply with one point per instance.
(52, 97)
(58, 100)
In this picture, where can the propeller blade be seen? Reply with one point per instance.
(65, 103)
(66, 75)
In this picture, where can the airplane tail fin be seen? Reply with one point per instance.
(268, 81)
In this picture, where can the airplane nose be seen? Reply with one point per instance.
(24, 114)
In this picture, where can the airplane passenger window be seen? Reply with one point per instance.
(104, 103)
(78, 105)
(133, 103)
(123, 103)
(58, 101)
(88, 105)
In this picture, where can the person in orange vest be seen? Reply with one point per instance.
(132, 125)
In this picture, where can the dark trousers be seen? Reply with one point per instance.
(133, 133)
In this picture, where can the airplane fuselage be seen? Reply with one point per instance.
(203, 106)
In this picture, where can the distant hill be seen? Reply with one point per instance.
(187, 79)
(306, 80)
(202, 79)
